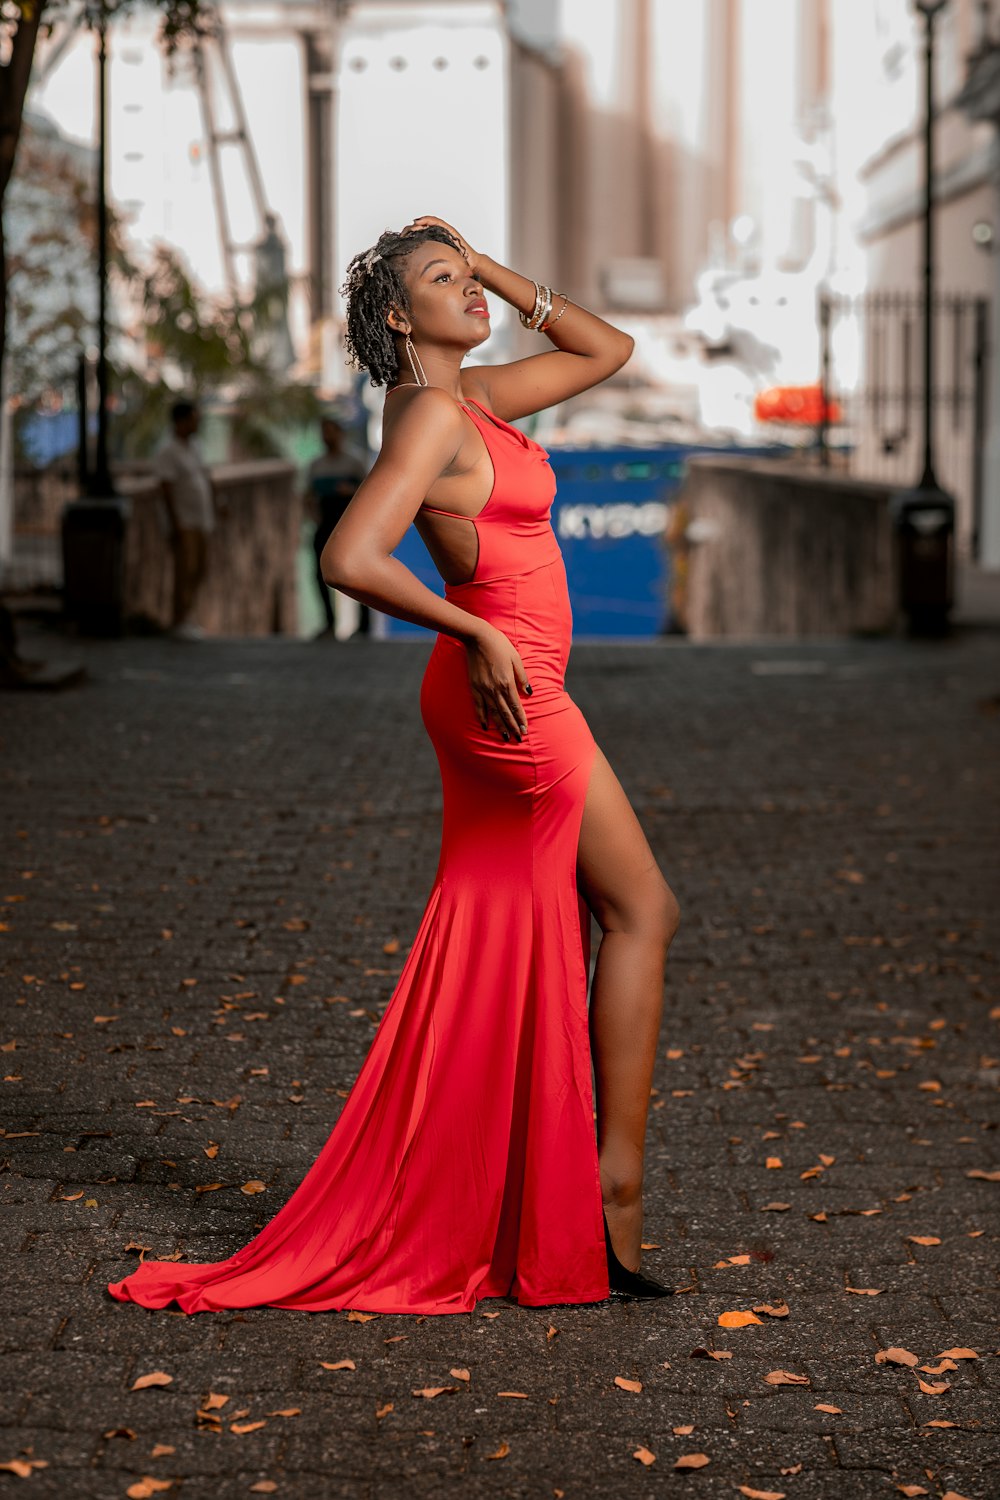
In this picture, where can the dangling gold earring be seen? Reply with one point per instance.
(412, 355)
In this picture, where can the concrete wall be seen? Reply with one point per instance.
(780, 550)
(250, 588)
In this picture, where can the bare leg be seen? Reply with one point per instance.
(638, 915)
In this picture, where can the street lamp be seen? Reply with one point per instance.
(93, 527)
(101, 485)
(925, 515)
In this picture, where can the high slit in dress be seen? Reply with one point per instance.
(464, 1163)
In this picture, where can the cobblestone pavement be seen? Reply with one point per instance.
(216, 856)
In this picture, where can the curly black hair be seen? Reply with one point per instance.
(373, 286)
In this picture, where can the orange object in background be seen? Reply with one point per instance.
(794, 403)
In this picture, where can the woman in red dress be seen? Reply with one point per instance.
(465, 1162)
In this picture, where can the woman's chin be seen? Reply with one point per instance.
(484, 332)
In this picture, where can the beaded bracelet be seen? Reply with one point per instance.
(540, 316)
(544, 327)
(532, 319)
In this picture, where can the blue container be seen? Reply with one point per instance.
(610, 513)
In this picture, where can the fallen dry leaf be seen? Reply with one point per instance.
(147, 1486)
(911, 1489)
(628, 1385)
(341, 1364)
(778, 1208)
(383, 1411)
(522, 1394)
(983, 1175)
(359, 1317)
(241, 1427)
(939, 1422)
(895, 1357)
(501, 1452)
(692, 1461)
(158, 1377)
(825, 1406)
(684, 1431)
(644, 1456)
(934, 1387)
(22, 1467)
(263, 1487)
(254, 1186)
(286, 1411)
(700, 1353)
(864, 1291)
(773, 1310)
(958, 1353)
(737, 1319)
(940, 1367)
(213, 1401)
(924, 1239)
(773, 1161)
(785, 1377)
(745, 1489)
(460, 1374)
(434, 1390)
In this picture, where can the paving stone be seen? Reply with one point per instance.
(831, 838)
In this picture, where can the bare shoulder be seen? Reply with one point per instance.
(411, 407)
(424, 420)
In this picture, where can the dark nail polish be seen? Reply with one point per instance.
(528, 688)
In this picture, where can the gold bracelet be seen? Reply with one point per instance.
(543, 312)
(544, 328)
(528, 318)
(542, 308)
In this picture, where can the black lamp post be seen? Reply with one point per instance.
(93, 528)
(925, 515)
(100, 483)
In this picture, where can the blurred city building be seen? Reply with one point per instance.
(699, 173)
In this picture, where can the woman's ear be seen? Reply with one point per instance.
(396, 322)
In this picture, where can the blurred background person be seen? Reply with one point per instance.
(331, 481)
(186, 487)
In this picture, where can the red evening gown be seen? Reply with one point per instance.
(464, 1161)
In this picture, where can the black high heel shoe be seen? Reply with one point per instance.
(626, 1283)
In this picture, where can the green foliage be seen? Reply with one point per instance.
(50, 279)
(202, 347)
(180, 19)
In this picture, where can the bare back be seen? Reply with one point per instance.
(446, 519)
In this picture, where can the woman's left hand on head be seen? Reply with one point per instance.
(425, 219)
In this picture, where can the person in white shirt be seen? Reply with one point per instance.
(188, 495)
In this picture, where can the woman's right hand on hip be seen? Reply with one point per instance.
(497, 676)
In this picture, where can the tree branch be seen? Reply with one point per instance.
(14, 76)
